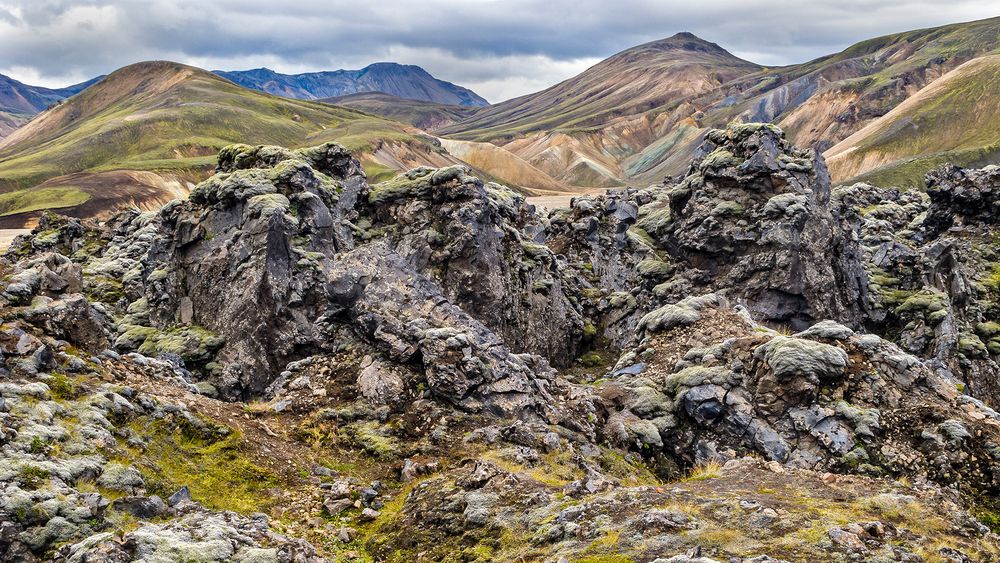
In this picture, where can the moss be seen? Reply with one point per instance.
(61, 387)
(589, 331)
(654, 217)
(535, 250)
(971, 345)
(640, 237)
(415, 183)
(190, 343)
(654, 269)
(591, 360)
(267, 204)
(104, 289)
(728, 208)
(992, 279)
(209, 460)
(31, 476)
(931, 303)
(720, 158)
(373, 439)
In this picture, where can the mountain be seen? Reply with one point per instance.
(955, 119)
(423, 115)
(10, 121)
(19, 98)
(147, 132)
(403, 81)
(580, 130)
(653, 76)
(587, 137)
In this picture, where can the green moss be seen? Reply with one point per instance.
(654, 217)
(971, 345)
(654, 269)
(191, 343)
(640, 237)
(927, 302)
(208, 460)
(373, 439)
(728, 208)
(31, 476)
(61, 387)
(720, 158)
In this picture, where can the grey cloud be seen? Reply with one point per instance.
(506, 47)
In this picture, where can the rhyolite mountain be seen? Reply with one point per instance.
(403, 81)
(694, 85)
(954, 119)
(148, 132)
(295, 364)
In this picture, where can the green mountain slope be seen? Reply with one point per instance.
(956, 119)
(148, 131)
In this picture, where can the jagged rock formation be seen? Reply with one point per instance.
(302, 338)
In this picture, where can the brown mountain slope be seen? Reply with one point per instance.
(423, 115)
(698, 86)
(650, 76)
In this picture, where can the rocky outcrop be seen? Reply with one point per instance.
(962, 196)
(431, 362)
(713, 383)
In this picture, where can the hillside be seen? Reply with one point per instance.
(10, 121)
(582, 134)
(422, 115)
(403, 81)
(955, 119)
(655, 75)
(149, 131)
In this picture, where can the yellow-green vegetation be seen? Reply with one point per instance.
(168, 116)
(372, 438)
(191, 343)
(605, 549)
(22, 201)
(703, 471)
(209, 460)
(955, 120)
(554, 469)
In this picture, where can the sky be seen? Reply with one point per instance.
(499, 48)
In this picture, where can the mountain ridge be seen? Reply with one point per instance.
(818, 103)
(404, 81)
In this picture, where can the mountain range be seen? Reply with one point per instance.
(885, 110)
(403, 81)
(148, 132)
(687, 86)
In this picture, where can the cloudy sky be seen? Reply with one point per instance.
(500, 48)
